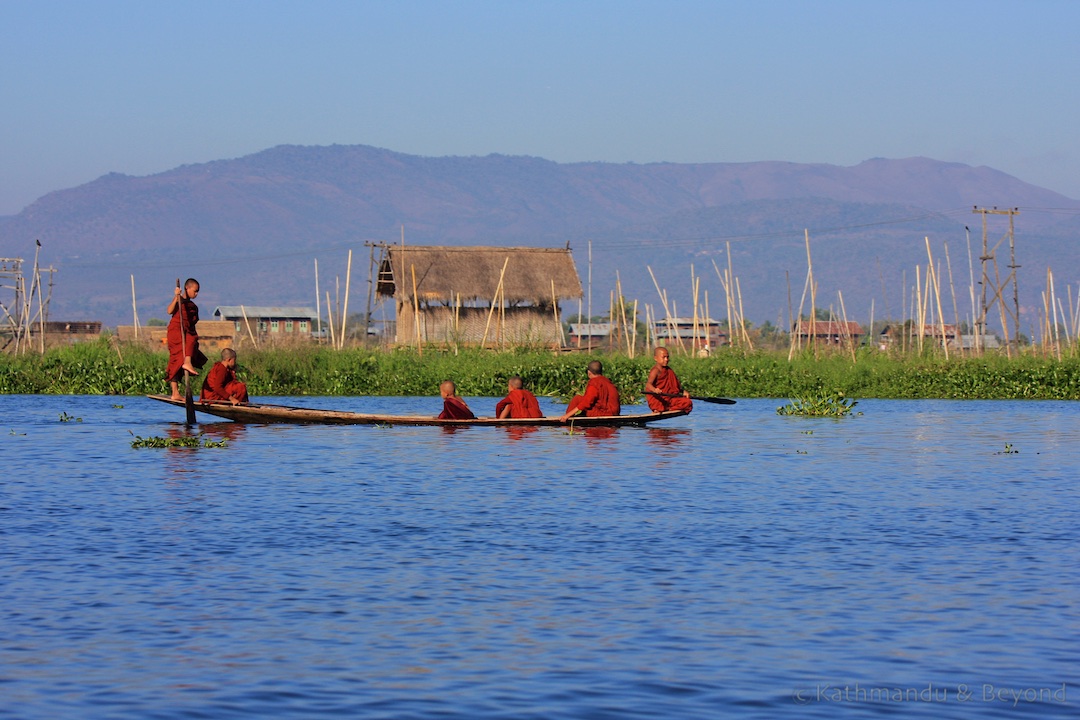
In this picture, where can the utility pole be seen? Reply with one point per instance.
(999, 286)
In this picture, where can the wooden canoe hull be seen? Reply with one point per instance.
(265, 413)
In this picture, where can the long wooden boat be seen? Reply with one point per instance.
(266, 413)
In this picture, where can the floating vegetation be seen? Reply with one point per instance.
(64, 417)
(1009, 450)
(186, 441)
(118, 407)
(15, 433)
(831, 405)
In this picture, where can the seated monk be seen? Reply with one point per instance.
(519, 403)
(663, 391)
(221, 383)
(601, 398)
(454, 408)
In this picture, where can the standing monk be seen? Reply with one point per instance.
(519, 403)
(181, 337)
(663, 391)
(601, 398)
(221, 382)
(454, 408)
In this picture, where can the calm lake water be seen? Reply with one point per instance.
(918, 560)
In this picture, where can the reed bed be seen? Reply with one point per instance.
(105, 368)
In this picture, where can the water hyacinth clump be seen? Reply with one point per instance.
(833, 405)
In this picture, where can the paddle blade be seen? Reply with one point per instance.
(189, 403)
(715, 401)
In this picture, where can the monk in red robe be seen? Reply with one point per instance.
(182, 338)
(221, 383)
(663, 391)
(519, 403)
(454, 408)
(601, 398)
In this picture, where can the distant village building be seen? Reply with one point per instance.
(261, 320)
(590, 335)
(477, 295)
(60, 332)
(987, 342)
(829, 332)
(704, 334)
(899, 335)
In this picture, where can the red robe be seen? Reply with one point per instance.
(454, 408)
(221, 384)
(522, 404)
(188, 313)
(601, 399)
(666, 383)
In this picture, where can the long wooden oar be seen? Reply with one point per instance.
(189, 402)
(714, 400)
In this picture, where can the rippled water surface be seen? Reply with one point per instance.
(733, 563)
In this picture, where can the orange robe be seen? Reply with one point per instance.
(601, 399)
(454, 408)
(523, 404)
(221, 384)
(183, 344)
(668, 384)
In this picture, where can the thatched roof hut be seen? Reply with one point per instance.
(456, 289)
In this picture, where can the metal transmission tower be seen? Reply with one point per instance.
(996, 284)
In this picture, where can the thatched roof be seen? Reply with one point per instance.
(443, 273)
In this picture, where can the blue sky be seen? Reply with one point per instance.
(92, 87)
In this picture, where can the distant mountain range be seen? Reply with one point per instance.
(251, 228)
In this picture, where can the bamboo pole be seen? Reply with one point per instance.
(491, 310)
(416, 312)
(318, 307)
(796, 335)
(952, 291)
(611, 320)
(918, 338)
(622, 316)
(555, 309)
(708, 324)
(330, 321)
(976, 329)
(847, 332)
(134, 309)
(937, 295)
(345, 312)
(633, 330)
(694, 284)
(813, 293)
(742, 322)
(669, 320)
(578, 335)
(247, 323)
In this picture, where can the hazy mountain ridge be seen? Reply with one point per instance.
(279, 208)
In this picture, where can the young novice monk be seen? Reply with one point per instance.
(454, 408)
(181, 337)
(601, 398)
(221, 382)
(662, 381)
(519, 403)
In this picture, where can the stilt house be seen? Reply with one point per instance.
(477, 295)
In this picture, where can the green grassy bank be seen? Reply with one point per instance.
(107, 368)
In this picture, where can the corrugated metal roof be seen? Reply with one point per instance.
(591, 329)
(264, 311)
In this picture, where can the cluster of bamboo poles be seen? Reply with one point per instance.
(701, 321)
(336, 337)
(798, 331)
(1052, 328)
